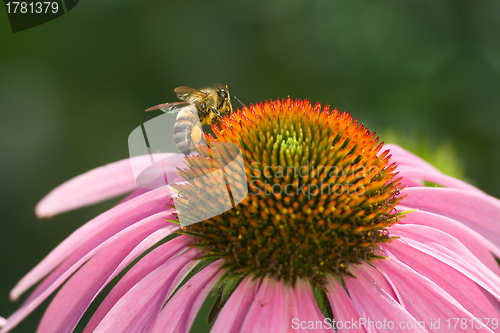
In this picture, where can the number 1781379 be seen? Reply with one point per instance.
(32, 7)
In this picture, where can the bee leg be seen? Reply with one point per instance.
(217, 118)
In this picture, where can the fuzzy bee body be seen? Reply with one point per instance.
(198, 107)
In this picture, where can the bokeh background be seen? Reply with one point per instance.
(424, 73)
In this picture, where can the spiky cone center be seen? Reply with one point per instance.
(319, 196)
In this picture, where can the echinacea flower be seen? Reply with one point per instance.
(337, 231)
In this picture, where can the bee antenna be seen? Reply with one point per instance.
(239, 101)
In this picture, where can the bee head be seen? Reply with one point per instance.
(223, 93)
(224, 99)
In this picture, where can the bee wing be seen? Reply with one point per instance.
(188, 93)
(169, 107)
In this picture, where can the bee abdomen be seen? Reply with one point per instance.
(182, 135)
(182, 126)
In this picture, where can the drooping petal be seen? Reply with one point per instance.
(151, 230)
(342, 307)
(138, 308)
(75, 261)
(476, 243)
(95, 232)
(75, 296)
(480, 212)
(3, 321)
(375, 306)
(180, 311)
(146, 265)
(270, 309)
(435, 177)
(136, 193)
(93, 186)
(102, 183)
(460, 287)
(450, 251)
(232, 315)
(303, 307)
(404, 157)
(424, 299)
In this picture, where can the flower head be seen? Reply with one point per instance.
(320, 196)
(319, 234)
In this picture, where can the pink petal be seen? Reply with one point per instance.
(135, 194)
(424, 299)
(342, 307)
(143, 246)
(478, 211)
(94, 233)
(447, 249)
(69, 266)
(476, 243)
(270, 309)
(382, 282)
(304, 313)
(407, 182)
(180, 311)
(60, 275)
(97, 185)
(494, 303)
(373, 304)
(138, 308)
(461, 288)
(75, 296)
(435, 177)
(404, 157)
(146, 265)
(3, 321)
(93, 186)
(232, 315)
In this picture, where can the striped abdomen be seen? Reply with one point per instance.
(186, 121)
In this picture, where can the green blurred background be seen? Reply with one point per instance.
(424, 72)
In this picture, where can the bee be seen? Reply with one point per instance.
(209, 104)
